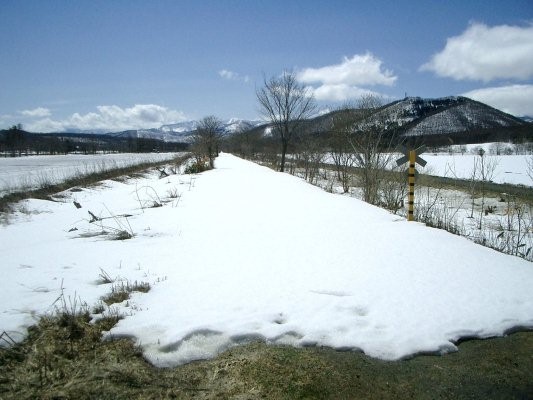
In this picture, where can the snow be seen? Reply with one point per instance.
(512, 169)
(508, 168)
(246, 253)
(22, 173)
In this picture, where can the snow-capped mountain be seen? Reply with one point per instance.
(183, 131)
(180, 127)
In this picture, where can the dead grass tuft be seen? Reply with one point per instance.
(121, 291)
(104, 277)
(64, 357)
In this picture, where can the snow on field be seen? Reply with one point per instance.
(507, 168)
(246, 253)
(22, 173)
(511, 169)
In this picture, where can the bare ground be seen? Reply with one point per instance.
(65, 359)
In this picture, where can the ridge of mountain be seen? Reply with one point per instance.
(441, 121)
(417, 116)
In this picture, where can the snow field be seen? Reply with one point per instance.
(507, 169)
(248, 253)
(511, 169)
(24, 173)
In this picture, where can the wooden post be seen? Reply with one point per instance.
(411, 197)
(411, 156)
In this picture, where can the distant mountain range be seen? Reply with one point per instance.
(182, 132)
(440, 121)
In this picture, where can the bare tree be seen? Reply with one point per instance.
(487, 168)
(286, 104)
(207, 138)
(341, 151)
(309, 155)
(371, 144)
(245, 141)
(530, 167)
(472, 186)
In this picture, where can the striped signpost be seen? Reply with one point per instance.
(411, 156)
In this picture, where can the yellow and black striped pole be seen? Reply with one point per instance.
(412, 157)
(411, 197)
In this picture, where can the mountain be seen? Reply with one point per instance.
(437, 121)
(182, 132)
(416, 116)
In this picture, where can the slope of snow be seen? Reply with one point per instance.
(247, 253)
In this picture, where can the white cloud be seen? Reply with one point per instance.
(5, 117)
(515, 99)
(339, 92)
(45, 125)
(112, 118)
(360, 70)
(344, 81)
(233, 76)
(486, 53)
(39, 112)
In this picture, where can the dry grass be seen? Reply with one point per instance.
(63, 357)
(121, 291)
(68, 360)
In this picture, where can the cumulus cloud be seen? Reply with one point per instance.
(233, 76)
(359, 70)
(112, 118)
(486, 53)
(347, 80)
(39, 112)
(339, 92)
(45, 125)
(515, 99)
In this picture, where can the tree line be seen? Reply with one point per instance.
(17, 142)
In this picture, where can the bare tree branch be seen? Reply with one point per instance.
(207, 137)
(286, 104)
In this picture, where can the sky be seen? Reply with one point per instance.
(116, 65)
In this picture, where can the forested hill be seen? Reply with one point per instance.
(440, 121)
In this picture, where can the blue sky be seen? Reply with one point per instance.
(137, 64)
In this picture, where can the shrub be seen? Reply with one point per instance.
(197, 167)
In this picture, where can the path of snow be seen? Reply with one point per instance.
(249, 253)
